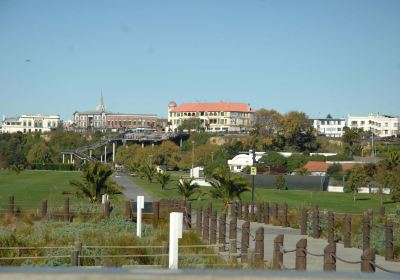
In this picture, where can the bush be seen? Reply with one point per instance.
(52, 166)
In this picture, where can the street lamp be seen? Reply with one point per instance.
(192, 159)
(253, 175)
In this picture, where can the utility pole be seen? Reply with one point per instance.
(253, 175)
(192, 160)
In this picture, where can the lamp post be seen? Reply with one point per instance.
(253, 175)
(192, 159)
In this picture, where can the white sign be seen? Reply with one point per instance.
(253, 171)
(175, 233)
(104, 198)
(140, 206)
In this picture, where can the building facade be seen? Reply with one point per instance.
(30, 123)
(213, 117)
(329, 127)
(380, 125)
(103, 120)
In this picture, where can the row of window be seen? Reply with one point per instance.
(331, 122)
(35, 124)
(210, 114)
(129, 123)
(378, 124)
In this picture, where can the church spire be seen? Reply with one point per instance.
(101, 107)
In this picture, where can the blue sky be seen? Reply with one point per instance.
(319, 57)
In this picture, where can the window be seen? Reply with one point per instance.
(362, 122)
(354, 122)
(24, 124)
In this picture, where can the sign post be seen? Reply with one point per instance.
(253, 172)
(140, 206)
(175, 233)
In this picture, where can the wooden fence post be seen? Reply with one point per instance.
(366, 232)
(260, 213)
(246, 212)
(233, 250)
(206, 225)
(266, 213)
(165, 252)
(66, 209)
(347, 233)
(240, 210)
(199, 221)
(11, 205)
(304, 220)
(43, 211)
(75, 254)
(389, 241)
(259, 248)
(331, 227)
(245, 242)
(107, 209)
(222, 232)
(233, 235)
(277, 261)
(285, 222)
(329, 259)
(252, 213)
(316, 223)
(213, 228)
(382, 212)
(128, 209)
(367, 258)
(274, 212)
(156, 212)
(301, 255)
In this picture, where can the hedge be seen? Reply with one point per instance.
(52, 166)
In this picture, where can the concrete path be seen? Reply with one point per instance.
(131, 190)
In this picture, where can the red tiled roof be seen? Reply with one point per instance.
(347, 166)
(213, 107)
(316, 166)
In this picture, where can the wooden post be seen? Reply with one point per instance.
(240, 208)
(11, 205)
(206, 225)
(213, 228)
(331, 227)
(107, 209)
(246, 212)
(304, 220)
(233, 234)
(245, 241)
(199, 221)
(165, 252)
(367, 257)
(259, 247)
(347, 233)
(210, 208)
(301, 255)
(382, 212)
(252, 213)
(274, 212)
(260, 213)
(232, 250)
(316, 223)
(128, 209)
(277, 261)
(370, 214)
(75, 254)
(266, 213)
(222, 232)
(66, 209)
(366, 232)
(285, 222)
(188, 215)
(329, 259)
(156, 212)
(389, 241)
(43, 211)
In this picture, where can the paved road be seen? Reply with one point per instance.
(131, 190)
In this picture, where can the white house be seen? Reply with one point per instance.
(380, 125)
(241, 161)
(30, 123)
(329, 127)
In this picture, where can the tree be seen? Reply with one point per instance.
(392, 160)
(39, 153)
(267, 123)
(187, 188)
(358, 178)
(299, 132)
(228, 188)
(274, 160)
(96, 181)
(352, 140)
(280, 182)
(163, 179)
(148, 171)
(191, 124)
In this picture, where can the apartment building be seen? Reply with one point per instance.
(380, 125)
(329, 127)
(30, 123)
(214, 117)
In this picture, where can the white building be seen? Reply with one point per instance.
(214, 117)
(92, 119)
(329, 127)
(30, 123)
(241, 161)
(380, 125)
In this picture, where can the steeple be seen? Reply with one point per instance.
(101, 107)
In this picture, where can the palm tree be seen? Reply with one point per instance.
(95, 182)
(228, 188)
(186, 188)
(163, 179)
(392, 160)
(148, 171)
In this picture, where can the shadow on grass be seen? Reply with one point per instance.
(364, 198)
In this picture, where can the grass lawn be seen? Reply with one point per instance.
(31, 186)
(338, 202)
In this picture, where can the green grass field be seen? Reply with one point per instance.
(338, 202)
(30, 187)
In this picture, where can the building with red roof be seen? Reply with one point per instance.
(213, 117)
